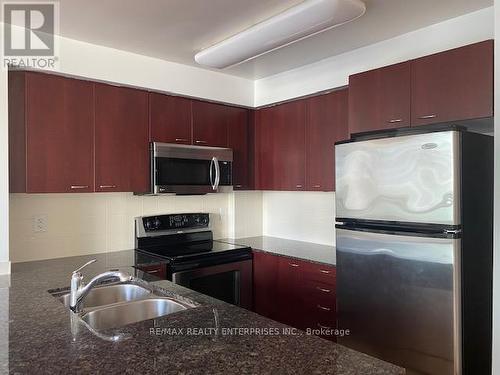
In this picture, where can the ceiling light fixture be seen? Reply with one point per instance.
(299, 22)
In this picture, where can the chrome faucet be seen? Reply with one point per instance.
(79, 290)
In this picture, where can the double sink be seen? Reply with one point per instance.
(114, 306)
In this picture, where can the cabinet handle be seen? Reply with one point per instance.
(324, 271)
(298, 186)
(76, 187)
(316, 186)
(153, 271)
(238, 186)
(324, 308)
(293, 264)
(107, 186)
(393, 121)
(324, 327)
(198, 141)
(181, 140)
(323, 289)
(428, 116)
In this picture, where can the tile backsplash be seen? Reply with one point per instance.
(77, 224)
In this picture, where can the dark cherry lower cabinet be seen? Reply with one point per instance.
(121, 139)
(326, 124)
(50, 133)
(295, 292)
(170, 119)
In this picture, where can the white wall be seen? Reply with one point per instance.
(496, 269)
(334, 72)
(301, 216)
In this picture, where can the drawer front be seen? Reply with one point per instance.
(320, 273)
(322, 294)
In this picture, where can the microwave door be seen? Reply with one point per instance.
(414, 179)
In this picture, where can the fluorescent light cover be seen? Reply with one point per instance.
(299, 22)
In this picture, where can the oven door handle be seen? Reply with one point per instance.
(212, 181)
(217, 172)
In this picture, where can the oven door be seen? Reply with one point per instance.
(230, 282)
(185, 169)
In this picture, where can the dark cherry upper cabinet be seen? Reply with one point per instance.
(209, 124)
(326, 124)
(453, 85)
(238, 139)
(170, 119)
(51, 133)
(280, 147)
(380, 99)
(121, 139)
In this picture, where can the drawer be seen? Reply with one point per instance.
(319, 294)
(320, 273)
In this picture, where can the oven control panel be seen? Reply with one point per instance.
(175, 222)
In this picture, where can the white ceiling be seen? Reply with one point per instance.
(175, 30)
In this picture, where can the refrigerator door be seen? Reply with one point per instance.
(413, 178)
(399, 296)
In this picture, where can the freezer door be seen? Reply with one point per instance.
(399, 296)
(413, 178)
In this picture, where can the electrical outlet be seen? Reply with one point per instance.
(40, 223)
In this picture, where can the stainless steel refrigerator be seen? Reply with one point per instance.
(414, 232)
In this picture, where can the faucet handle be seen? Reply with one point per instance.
(85, 265)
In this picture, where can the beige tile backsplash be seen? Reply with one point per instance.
(102, 222)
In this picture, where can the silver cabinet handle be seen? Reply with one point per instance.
(293, 264)
(323, 289)
(154, 271)
(198, 141)
(428, 116)
(324, 308)
(238, 186)
(181, 140)
(324, 271)
(107, 186)
(316, 186)
(324, 327)
(393, 121)
(76, 187)
(298, 186)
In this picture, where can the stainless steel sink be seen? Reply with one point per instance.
(121, 314)
(106, 295)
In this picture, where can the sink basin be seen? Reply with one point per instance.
(106, 295)
(122, 314)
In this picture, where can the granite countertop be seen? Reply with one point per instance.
(40, 339)
(294, 249)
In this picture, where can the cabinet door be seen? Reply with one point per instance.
(265, 277)
(59, 134)
(171, 119)
(209, 124)
(380, 99)
(238, 137)
(121, 139)
(326, 124)
(290, 299)
(453, 85)
(280, 147)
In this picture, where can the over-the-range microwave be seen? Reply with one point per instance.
(185, 169)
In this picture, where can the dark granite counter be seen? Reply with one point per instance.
(290, 248)
(40, 339)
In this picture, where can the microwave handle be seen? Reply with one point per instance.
(212, 165)
(217, 173)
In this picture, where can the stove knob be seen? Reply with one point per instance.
(157, 223)
(148, 224)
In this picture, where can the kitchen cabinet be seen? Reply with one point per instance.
(453, 85)
(170, 119)
(295, 292)
(209, 124)
(238, 131)
(280, 147)
(380, 98)
(50, 133)
(121, 139)
(326, 124)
